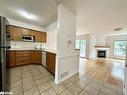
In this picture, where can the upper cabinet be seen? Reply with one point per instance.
(28, 32)
(16, 34)
(40, 37)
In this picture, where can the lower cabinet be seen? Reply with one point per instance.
(38, 57)
(21, 57)
(32, 56)
(10, 59)
(50, 61)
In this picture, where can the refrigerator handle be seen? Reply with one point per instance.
(7, 47)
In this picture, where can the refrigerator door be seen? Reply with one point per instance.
(3, 26)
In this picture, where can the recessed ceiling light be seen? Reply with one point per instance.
(28, 15)
(118, 29)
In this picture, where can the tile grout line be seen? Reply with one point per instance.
(48, 88)
(35, 82)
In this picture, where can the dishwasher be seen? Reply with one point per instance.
(44, 58)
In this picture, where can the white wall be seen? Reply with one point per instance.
(67, 61)
(92, 43)
(52, 36)
(100, 40)
(125, 81)
(110, 42)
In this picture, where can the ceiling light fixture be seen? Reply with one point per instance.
(118, 29)
(28, 15)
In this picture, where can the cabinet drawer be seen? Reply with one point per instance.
(26, 54)
(19, 53)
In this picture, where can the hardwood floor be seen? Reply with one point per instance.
(110, 71)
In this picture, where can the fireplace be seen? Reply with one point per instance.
(101, 54)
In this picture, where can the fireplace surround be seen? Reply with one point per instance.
(101, 54)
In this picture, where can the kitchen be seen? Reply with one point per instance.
(40, 55)
(26, 48)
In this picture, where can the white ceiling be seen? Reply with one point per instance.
(93, 16)
(101, 16)
(43, 11)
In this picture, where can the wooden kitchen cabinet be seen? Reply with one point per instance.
(26, 56)
(16, 33)
(22, 57)
(38, 57)
(37, 36)
(50, 61)
(32, 56)
(40, 37)
(10, 59)
(43, 37)
(28, 32)
(19, 57)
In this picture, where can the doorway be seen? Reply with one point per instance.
(81, 44)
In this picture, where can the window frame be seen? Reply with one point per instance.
(114, 48)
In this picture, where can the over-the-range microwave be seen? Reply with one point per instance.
(28, 38)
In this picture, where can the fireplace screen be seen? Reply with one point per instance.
(102, 54)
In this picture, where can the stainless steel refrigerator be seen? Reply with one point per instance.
(3, 47)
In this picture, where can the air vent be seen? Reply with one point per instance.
(63, 75)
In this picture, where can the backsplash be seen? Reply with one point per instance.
(16, 45)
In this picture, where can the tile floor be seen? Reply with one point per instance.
(36, 80)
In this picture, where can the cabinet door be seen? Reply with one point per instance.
(32, 56)
(19, 61)
(10, 59)
(27, 32)
(40, 37)
(16, 33)
(43, 37)
(50, 61)
(19, 57)
(37, 36)
(38, 57)
(53, 61)
(26, 57)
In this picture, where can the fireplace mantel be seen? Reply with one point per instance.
(102, 46)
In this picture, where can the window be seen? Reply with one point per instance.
(120, 48)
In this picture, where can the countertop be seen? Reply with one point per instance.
(49, 50)
(46, 50)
